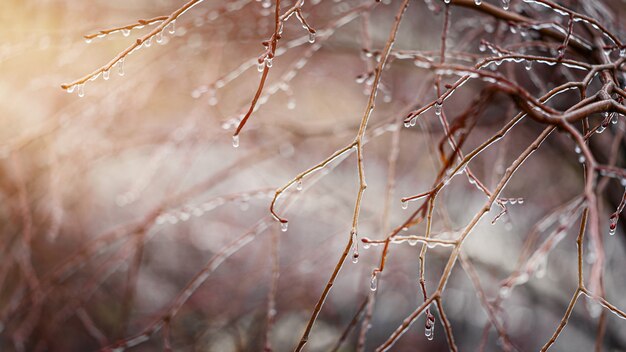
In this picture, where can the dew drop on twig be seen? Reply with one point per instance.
(284, 226)
(236, 141)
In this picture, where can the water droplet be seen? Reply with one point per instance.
(478, 2)
(505, 291)
(614, 118)
(148, 42)
(542, 267)
(172, 28)
(87, 40)
(299, 185)
(81, 90)
(125, 32)
(236, 141)
(159, 37)
(520, 200)
(412, 242)
(355, 247)
(284, 226)
(613, 224)
(581, 159)
(429, 326)
(105, 75)
(260, 66)
(528, 65)
(438, 108)
(622, 52)
(513, 200)
(482, 47)
(213, 100)
(506, 4)
(446, 1)
(70, 89)
(405, 204)
(374, 282)
(269, 61)
(577, 149)
(366, 245)
(311, 37)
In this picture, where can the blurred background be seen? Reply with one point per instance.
(112, 203)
